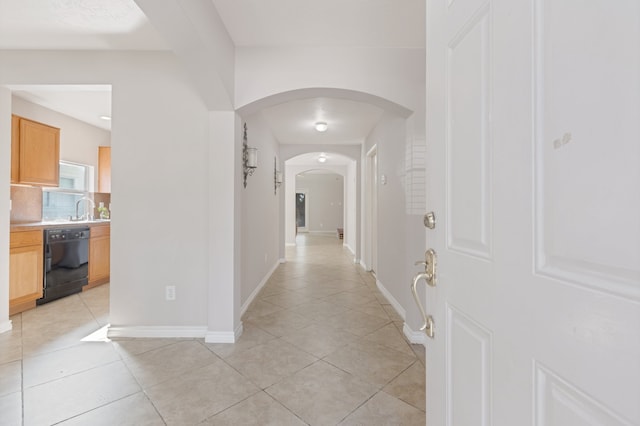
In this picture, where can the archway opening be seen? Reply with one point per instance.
(321, 196)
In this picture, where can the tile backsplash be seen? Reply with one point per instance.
(99, 197)
(26, 203)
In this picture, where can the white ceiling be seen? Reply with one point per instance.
(82, 102)
(349, 121)
(120, 24)
(76, 24)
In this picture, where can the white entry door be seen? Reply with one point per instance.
(533, 143)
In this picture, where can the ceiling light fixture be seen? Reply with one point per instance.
(321, 126)
(322, 158)
(105, 117)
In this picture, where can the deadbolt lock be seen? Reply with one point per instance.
(430, 220)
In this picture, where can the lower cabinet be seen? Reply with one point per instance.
(25, 270)
(99, 255)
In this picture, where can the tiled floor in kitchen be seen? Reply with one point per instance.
(321, 346)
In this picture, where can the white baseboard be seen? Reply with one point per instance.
(6, 326)
(157, 331)
(364, 265)
(417, 337)
(255, 292)
(282, 260)
(348, 247)
(290, 244)
(396, 305)
(176, 332)
(323, 232)
(224, 336)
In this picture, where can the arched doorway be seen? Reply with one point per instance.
(306, 176)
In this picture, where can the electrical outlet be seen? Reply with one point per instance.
(170, 292)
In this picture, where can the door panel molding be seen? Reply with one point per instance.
(468, 147)
(468, 371)
(560, 403)
(571, 199)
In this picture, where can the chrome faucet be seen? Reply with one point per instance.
(86, 214)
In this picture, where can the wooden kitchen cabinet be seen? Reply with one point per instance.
(35, 152)
(99, 255)
(25, 270)
(104, 169)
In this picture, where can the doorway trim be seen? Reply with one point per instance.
(371, 210)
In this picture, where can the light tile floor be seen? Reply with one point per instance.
(321, 346)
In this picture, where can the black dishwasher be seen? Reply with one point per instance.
(66, 262)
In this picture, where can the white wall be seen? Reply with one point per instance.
(79, 141)
(400, 231)
(197, 36)
(159, 181)
(260, 210)
(160, 169)
(351, 209)
(397, 75)
(5, 170)
(161, 159)
(325, 195)
(225, 236)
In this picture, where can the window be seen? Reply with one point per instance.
(74, 176)
(75, 182)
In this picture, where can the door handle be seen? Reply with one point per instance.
(429, 276)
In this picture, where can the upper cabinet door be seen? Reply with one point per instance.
(39, 153)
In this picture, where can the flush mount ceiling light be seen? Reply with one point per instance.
(105, 117)
(322, 158)
(321, 126)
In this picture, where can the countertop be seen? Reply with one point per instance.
(57, 224)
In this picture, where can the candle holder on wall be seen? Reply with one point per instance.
(249, 157)
(277, 176)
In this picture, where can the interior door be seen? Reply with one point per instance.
(533, 143)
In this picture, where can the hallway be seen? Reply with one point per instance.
(321, 346)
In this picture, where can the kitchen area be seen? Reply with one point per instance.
(59, 242)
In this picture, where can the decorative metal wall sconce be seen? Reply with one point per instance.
(277, 176)
(249, 157)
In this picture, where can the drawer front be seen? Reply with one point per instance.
(100, 231)
(25, 238)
